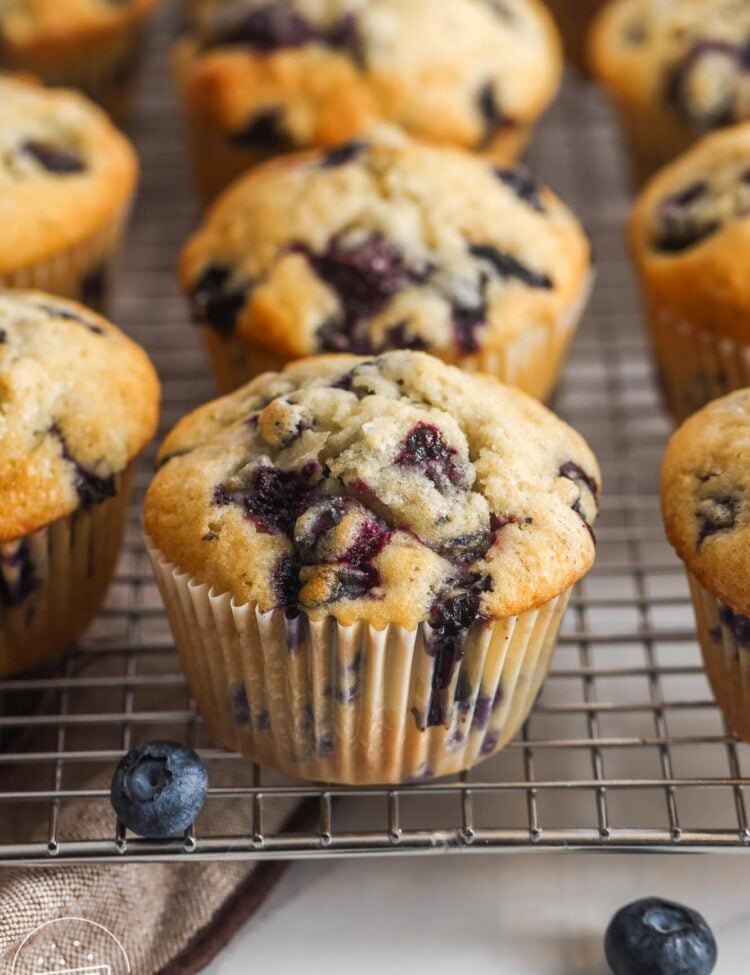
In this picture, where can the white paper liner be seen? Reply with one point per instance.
(725, 642)
(695, 365)
(66, 273)
(533, 361)
(353, 705)
(53, 581)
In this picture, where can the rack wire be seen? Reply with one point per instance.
(625, 748)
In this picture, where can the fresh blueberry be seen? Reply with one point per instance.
(159, 788)
(657, 937)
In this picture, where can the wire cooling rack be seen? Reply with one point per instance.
(625, 747)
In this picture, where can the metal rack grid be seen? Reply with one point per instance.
(625, 748)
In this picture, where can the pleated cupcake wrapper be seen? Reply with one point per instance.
(725, 642)
(53, 581)
(534, 360)
(574, 19)
(81, 271)
(695, 365)
(653, 137)
(353, 705)
(105, 71)
(216, 161)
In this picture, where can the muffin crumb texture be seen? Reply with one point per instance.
(78, 401)
(705, 492)
(389, 490)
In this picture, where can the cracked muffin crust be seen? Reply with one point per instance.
(67, 178)
(706, 497)
(79, 402)
(260, 77)
(689, 232)
(387, 490)
(676, 69)
(87, 44)
(384, 245)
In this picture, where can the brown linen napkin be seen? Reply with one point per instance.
(172, 919)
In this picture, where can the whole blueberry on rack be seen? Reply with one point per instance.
(658, 937)
(159, 788)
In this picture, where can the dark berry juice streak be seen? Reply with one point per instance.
(17, 573)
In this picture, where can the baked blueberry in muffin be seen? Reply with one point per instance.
(387, 492)
(676, 69)
(67, 179)
(689, 233)
(385, 245)
(80, 402)
(260, 77)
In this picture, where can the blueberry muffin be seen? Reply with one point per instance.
(689, 235)
(365, 562)
(574, 19)
(80, 402)
(88, 44)
(263, 77)
(676, 69)
(385, 245)
(67, 179)
(706, 504)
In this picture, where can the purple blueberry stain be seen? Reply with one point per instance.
(18, 579)
(681, 225)
(54, 158)
(264, 130)
(274, 498)
(510, 268)
(493, 118)
(286, 584)
(737, 625)
(90, 487)
(490, 743)
(343, 154)
(216, 300)
(240, 706)
(575, 473)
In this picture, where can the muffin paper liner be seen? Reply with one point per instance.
(106, 71)
(215, 161)
(695, 365)
(53, 581)
(574, 19)
(653, 137)
(353, 705)
(725, 642)
(533, 361)
(81, 272)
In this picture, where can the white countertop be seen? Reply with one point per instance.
(525, 914)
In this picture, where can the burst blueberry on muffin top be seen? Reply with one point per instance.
(395, 489)
(690, 231)
(276, 74)
(384, 245)
(706, 497)
(79, 402)
(65, 172)
(692, 54)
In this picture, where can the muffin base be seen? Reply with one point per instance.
(82, 272)
(106, 70)
(726, 657)
(695, 366)
(533, 361)
(353, 705)
(652, 136)
(574, 19)
(215, 161)
(62, 573)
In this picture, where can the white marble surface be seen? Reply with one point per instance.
(520, 914)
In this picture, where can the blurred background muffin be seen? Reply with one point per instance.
(675, 69)
(92, 45)
(67, 181)
(387, 245)
(365, 562)
(80, 401)
(262, 77)
(574, 19)
(690, 240)
(706, 505)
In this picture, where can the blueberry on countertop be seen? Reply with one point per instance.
(657, 937)
(159, 788)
